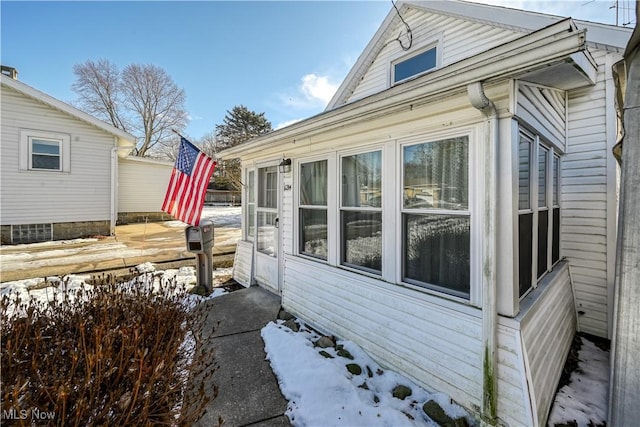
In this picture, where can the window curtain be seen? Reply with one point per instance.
(436, 175)
(313, 183)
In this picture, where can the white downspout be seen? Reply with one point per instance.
(113, 212)
(480, 101)
(113, 215)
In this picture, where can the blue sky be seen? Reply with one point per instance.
(282, 58)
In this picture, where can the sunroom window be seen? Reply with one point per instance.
(436, 216)
(267, 212)
(251, 205)
(361, 211)
(313, 209)
(538, 211)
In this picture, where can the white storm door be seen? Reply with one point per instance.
(267, 227)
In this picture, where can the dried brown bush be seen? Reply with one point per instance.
(113, 354)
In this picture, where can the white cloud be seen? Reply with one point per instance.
(318, 87)
(312, 94)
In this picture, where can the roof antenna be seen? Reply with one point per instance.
(409, 33)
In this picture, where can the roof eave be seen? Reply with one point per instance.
(125, 138)
(533, 51)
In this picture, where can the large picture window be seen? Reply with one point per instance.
(436, 216)
(538, 211)
(361, 211)
(313, 209)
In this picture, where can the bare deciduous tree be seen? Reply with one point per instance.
(142, 100)
(98, 85)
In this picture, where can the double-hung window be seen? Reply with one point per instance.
(313, 209)
(435, 215)
(45, 154)
(538, 210)
(361, 211)
(44, 151)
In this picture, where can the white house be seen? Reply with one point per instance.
(59, 170)
(453, 211)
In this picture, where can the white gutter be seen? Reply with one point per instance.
(530, 52)
(480, 101)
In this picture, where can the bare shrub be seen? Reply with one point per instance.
(111, 354)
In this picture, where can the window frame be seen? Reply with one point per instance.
(62, 140)
(342, 209)
(432, 43)
(469, 213)
(552, 191)
(250, 205)
(300, 207)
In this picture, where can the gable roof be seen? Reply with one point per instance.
(539, 50)
(601, 35)
(125, 138)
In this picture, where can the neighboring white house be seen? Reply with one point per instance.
(59, 176)
(453, 211)
(142, 186)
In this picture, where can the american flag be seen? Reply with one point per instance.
(188, 184)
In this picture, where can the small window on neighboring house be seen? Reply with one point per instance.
(44, 151)
(45, 154)
(414, 65)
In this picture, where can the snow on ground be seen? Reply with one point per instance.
(84, 254)
(222, 217)
(38, 289)
(585, 398)
(321, 391)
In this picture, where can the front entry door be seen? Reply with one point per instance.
(267, 226)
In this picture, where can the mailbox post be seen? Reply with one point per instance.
(200, 242)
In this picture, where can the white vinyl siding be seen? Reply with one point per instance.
(547, 329)
(544, 110)
(243, 264)
(457, 39)
(32, 197)
(586, 189)
(436, 343)
(142, 185)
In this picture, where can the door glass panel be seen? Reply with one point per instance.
(267, 233)
(268, 185)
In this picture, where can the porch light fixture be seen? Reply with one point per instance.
(285, 166)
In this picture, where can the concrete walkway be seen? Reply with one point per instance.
(248, 392)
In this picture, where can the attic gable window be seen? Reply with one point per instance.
(414, 65)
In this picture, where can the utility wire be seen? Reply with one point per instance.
(409, 33)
